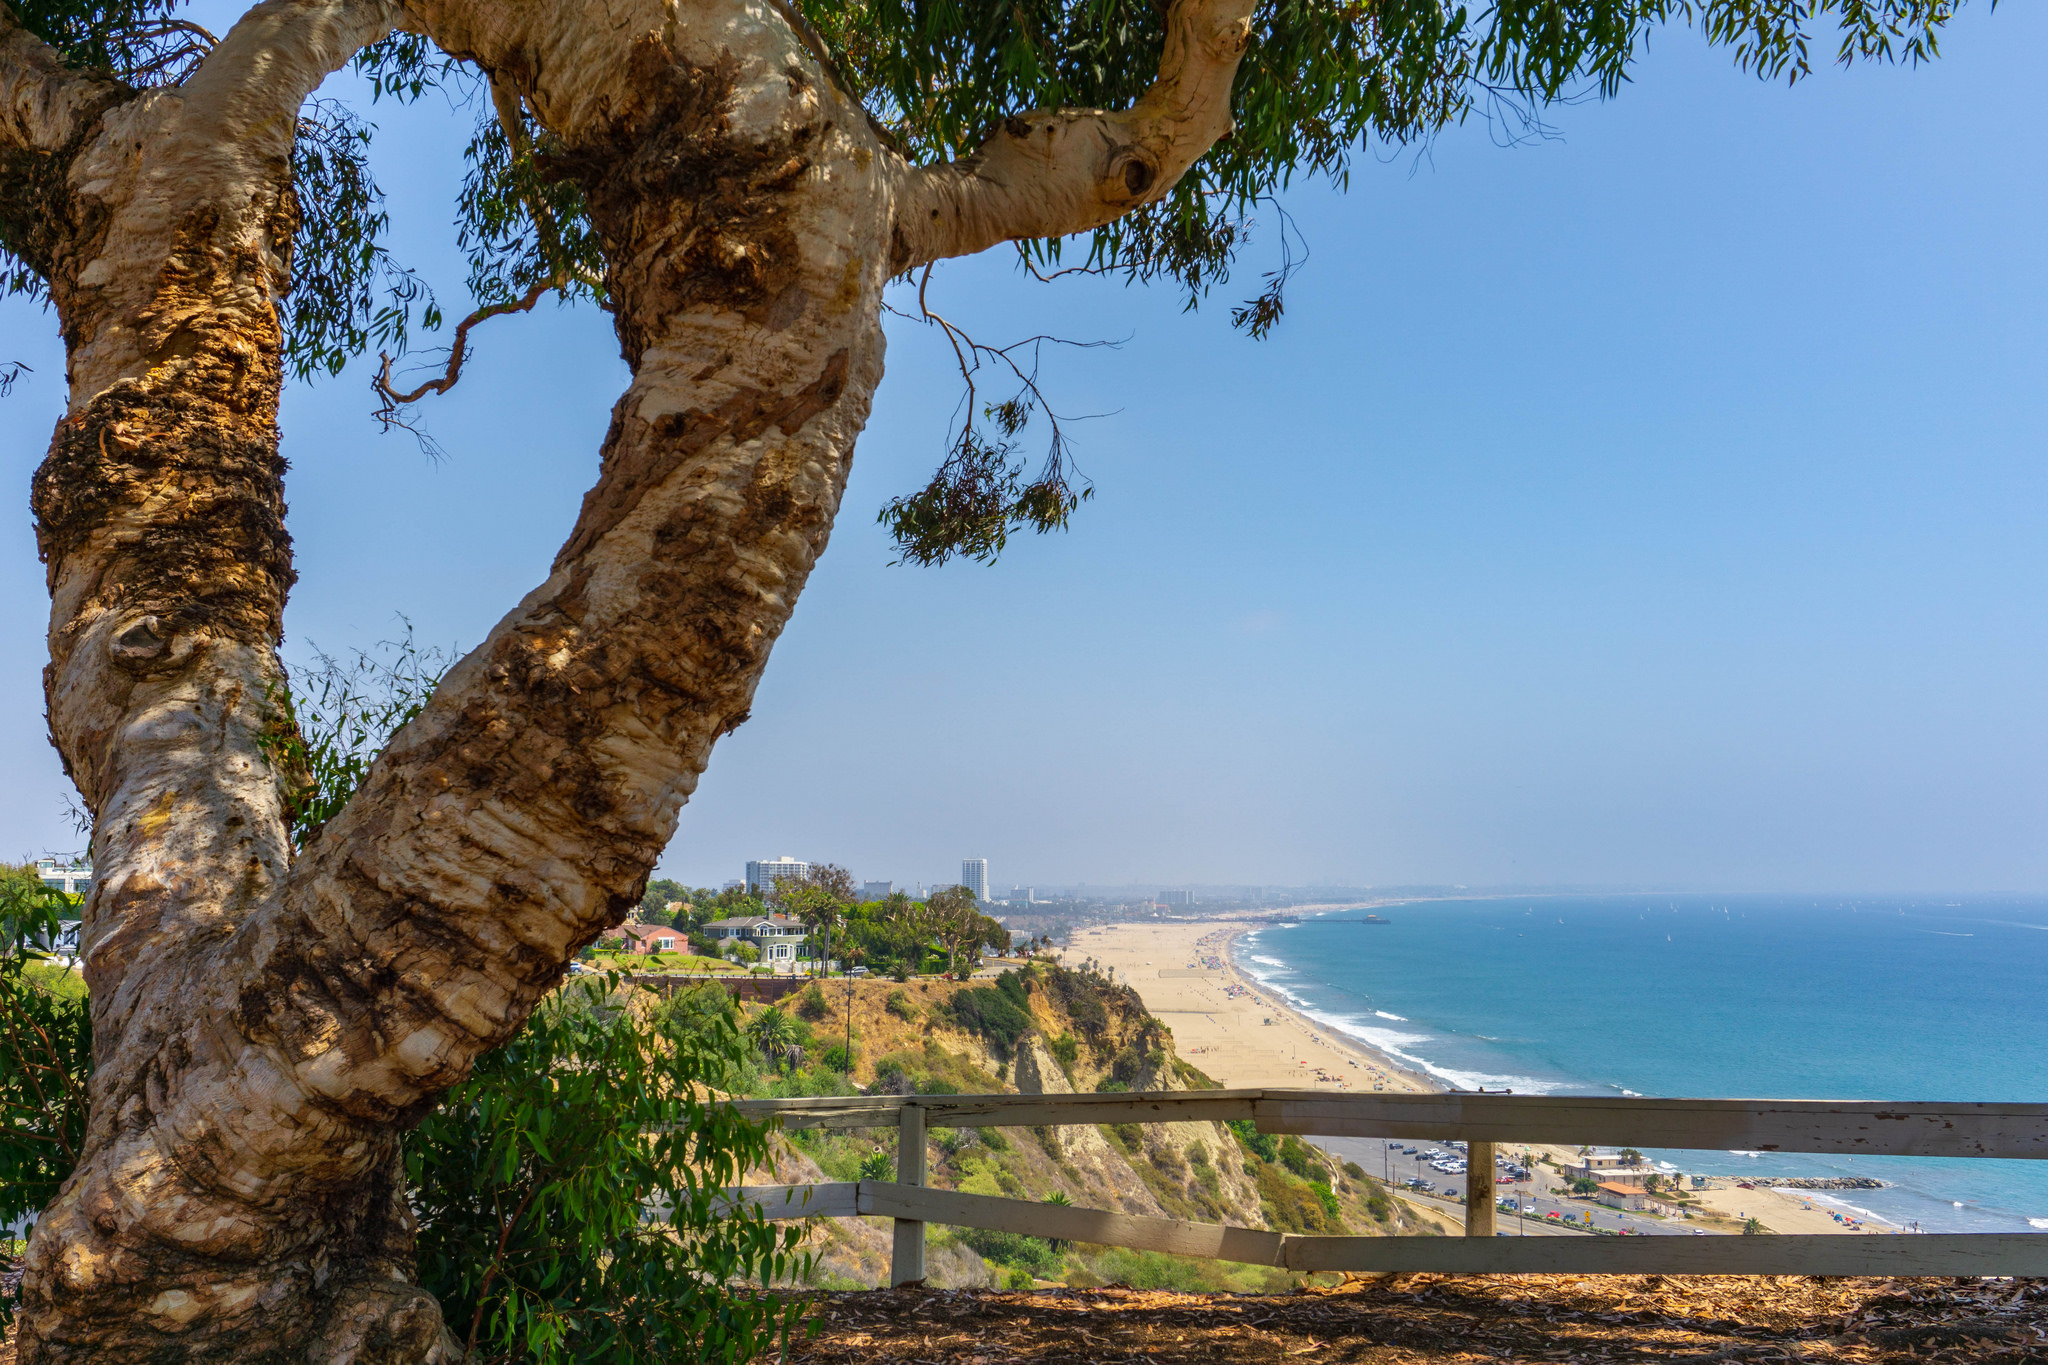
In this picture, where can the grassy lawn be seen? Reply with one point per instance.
(664, 962)
(64, 982)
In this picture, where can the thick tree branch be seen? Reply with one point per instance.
(1048, 174)
(44, 104)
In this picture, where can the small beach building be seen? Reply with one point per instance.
(1619, 1196)
(1609, 1167)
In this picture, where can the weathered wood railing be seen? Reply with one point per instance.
(1483, 1121)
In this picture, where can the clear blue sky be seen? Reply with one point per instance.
(1663, 504)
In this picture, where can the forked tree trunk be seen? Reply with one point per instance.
(266, 1028)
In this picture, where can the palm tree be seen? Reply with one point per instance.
(775, 1033)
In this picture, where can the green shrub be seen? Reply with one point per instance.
(1261, 1145)
(45, 1056)
(811, 1004)
(1033, 1254)
(533, 1181)
(996, 1012)
(1328, 1197)
(899, 1005)
(1354, 1170)
(1066, 1050)
(840, 1058)
(1291, 1204)
(1301, 1159)
(877, 1166)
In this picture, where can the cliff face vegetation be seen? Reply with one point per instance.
(1047, 1029)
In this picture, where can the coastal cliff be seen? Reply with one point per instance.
(1047, 1029)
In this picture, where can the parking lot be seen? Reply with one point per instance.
(1399, 1163)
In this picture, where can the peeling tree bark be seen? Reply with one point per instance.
(267, 1029)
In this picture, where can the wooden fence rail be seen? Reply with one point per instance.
(1853, 1126)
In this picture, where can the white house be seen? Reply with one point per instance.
(777, 936)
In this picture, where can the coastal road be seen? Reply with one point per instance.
(1389, 1161)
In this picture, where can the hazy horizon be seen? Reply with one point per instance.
(1657, 507)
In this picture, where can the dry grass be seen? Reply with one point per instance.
(1432, 1319)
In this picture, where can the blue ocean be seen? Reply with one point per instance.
(1932, 998)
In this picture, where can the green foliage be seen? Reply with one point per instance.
(996, 1012)
(1752, 1228)
(45, 1058)
(878, 1166)
(980, 495)
(1328, 1198)
(1184, 1274)
(332, 724)
(1034, 1254)
(520, 228)
(655, 900)
(779, 1037)
(1354, 1170)
(899, 1004)
(1066, 1051)
(533, 1179)
(347, 292)
(1291, 1205)
(838, 1057)
(811, 1004)
(1301, 1159)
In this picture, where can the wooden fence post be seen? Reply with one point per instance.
(906, 1261)
(1479, 1194)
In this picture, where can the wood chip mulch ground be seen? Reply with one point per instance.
(1413, 1319)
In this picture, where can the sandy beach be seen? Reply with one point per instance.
(1225, 1022)
(1244, 1037)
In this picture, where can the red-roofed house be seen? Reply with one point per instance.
(653, 938)
(1619, 1196)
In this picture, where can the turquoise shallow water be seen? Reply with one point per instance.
(1942, 998)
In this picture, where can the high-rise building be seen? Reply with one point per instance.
(974, 876)
(1176, 898)
(876, 891)
(1023, 895)
(764, 873)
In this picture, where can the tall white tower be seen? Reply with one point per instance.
(974, 876)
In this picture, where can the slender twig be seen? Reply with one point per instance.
(394, 400)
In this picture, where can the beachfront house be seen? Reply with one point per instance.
(1609, 1167)
(777, 936)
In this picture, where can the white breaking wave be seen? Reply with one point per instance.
(1399, 1045)
(1270, 962)
(1751, 1155)
(2041, 1223)
(1397, 1018)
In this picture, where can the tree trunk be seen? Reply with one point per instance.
(267, 1028)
